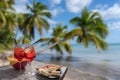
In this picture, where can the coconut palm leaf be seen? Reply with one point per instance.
(7, 17)
(2, 19)
(67, 47)
(10, 20)
(6, 37)
(6, 4)
(58, 41)
(74, 20)
(91, 29)
(26, 39)
(73, 33)
(41, 40)
(36, 19)
(98, 42)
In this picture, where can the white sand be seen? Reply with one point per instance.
(3, 58)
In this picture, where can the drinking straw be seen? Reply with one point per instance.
(15, 42)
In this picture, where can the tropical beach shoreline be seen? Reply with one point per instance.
(67, 28)
(72, 74)
(88, 61)
(85, 69)
(89, 66)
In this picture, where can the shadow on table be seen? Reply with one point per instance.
(8, 73)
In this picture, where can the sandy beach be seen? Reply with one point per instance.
(3, 58)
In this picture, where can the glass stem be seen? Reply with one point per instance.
(31, 68)
(20, 66)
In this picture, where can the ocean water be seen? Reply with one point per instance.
(102, 63)
(111, 55)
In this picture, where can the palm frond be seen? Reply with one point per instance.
(93, 15)
(29, 7)
(90, 23)
(2, 17)
(41, 24)
(99, 42)
(35, 19)
(73, 33)
(45, 13)
(74, 20)
(84, 15)
(41, 40)
(85, 42)
(58, 49)
(67, 47)
(26, 39)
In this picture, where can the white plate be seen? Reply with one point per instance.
(46, 75)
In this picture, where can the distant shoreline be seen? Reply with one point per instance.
(93, 45)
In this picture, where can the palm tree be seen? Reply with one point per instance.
(6, 4)
(35, 19)
(24, 39)
(7, 17)
(58, 34)
(7, 23)
(6, 38)
(90, 28)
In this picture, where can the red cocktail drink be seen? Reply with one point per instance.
(30, 53)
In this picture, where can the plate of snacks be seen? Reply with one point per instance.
(49, 70)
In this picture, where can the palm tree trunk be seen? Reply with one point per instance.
(38, 52)
(84, 32)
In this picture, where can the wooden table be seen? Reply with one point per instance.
(8, 73)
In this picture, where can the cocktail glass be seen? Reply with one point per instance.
(30, 54)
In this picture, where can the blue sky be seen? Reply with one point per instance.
(64, 10)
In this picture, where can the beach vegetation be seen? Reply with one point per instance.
(57, 35)
(7, 24)
(34, 19)
(90, 28)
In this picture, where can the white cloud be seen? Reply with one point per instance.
(76, 6)
(52, 22)
(20, 5)
(112, 12)
(54, 2)
(114, 25)
(102, 7)
(57, 11)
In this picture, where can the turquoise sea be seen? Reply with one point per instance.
(111, 55)
(102, 63)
